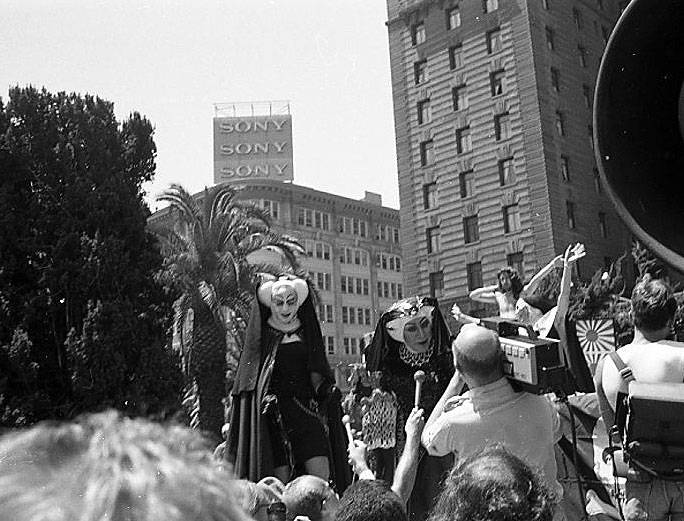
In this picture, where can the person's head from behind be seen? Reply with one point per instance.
(493, 485)
(255, 498)
(370, 500)
(653, 306)
(103, 466)
(478, 355)
(311, 497)
(508, 280)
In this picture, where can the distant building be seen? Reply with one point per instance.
(493, 118)
(353, 257)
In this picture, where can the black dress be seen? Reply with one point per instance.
(291, 384)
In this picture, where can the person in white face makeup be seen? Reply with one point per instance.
(410, 336)
(286, 412)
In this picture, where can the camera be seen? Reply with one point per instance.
(533, 364)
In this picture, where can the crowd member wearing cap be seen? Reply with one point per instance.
(410, 336)
(286, 413)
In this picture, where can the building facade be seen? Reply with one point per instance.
(493, 120)
(353, 257)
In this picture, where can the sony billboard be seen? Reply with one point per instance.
(252, 147)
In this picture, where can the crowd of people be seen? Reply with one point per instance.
(443, 434)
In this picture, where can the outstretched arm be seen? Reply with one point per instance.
(576, 253)
(405, 475)
(572, 254)
(485, 294)
(462, 317)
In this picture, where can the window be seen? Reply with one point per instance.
(272, 207)
(506, 172)
(560, 123)
(466, 181)
(590, 134)
(603, 228)
(430, 195)
(400, 291)
(395, 235)
(490, 5)
(511, 218)
(418, 33)
(555, 79)
(570, 211)
(565, 168)
(550, 39)
(463, 140)
(420, 72)
(436, 284)
(474, 274)
(494, 41)
(471, 230)
(582, 55)
(327, 313)
(459, 97)
(322, 281)
(545, 4)
(502, 126)
(313, 219)
(321, 251)
(455, 57)
(496, 82)
(346, 312)
(586, 96)
(432, 239)
(577, 18)
(427, 156)
(330, 344)
(424, 111)
(453, 18)
(352, 226)
(597, 181)
(515, 261)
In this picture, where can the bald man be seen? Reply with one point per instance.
(491, 411)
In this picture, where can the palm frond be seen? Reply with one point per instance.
(209, 297)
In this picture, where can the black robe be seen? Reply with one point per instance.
(383, 354)
(250, 444)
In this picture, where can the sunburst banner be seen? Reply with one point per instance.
(597, 338)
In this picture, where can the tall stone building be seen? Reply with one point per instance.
(493, 118)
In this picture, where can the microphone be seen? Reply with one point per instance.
(347, 425)
(419, 377)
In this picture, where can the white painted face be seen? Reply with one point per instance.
(418, 333)
(284, 304)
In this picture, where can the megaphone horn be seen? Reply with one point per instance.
(639, 124)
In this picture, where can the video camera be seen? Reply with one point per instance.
(534, 364)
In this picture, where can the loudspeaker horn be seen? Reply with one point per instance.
(639, 124)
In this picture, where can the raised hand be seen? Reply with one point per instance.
(414, 425)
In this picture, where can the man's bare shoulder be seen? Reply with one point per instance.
(639, 349)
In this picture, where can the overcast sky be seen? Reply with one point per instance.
(171, 60)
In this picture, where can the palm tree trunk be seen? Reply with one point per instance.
(208, 370)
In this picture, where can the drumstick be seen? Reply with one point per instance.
(419, 377)
(347, 425)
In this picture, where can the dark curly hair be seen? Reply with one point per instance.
(653, 305)
(370, 500)
(516, 281)
(493, 484)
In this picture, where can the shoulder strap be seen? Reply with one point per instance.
(623, 369)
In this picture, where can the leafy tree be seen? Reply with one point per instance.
(207, 263)
(79, 305)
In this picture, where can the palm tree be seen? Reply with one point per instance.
(206, 261)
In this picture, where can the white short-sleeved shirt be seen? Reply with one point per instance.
(526, 424)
